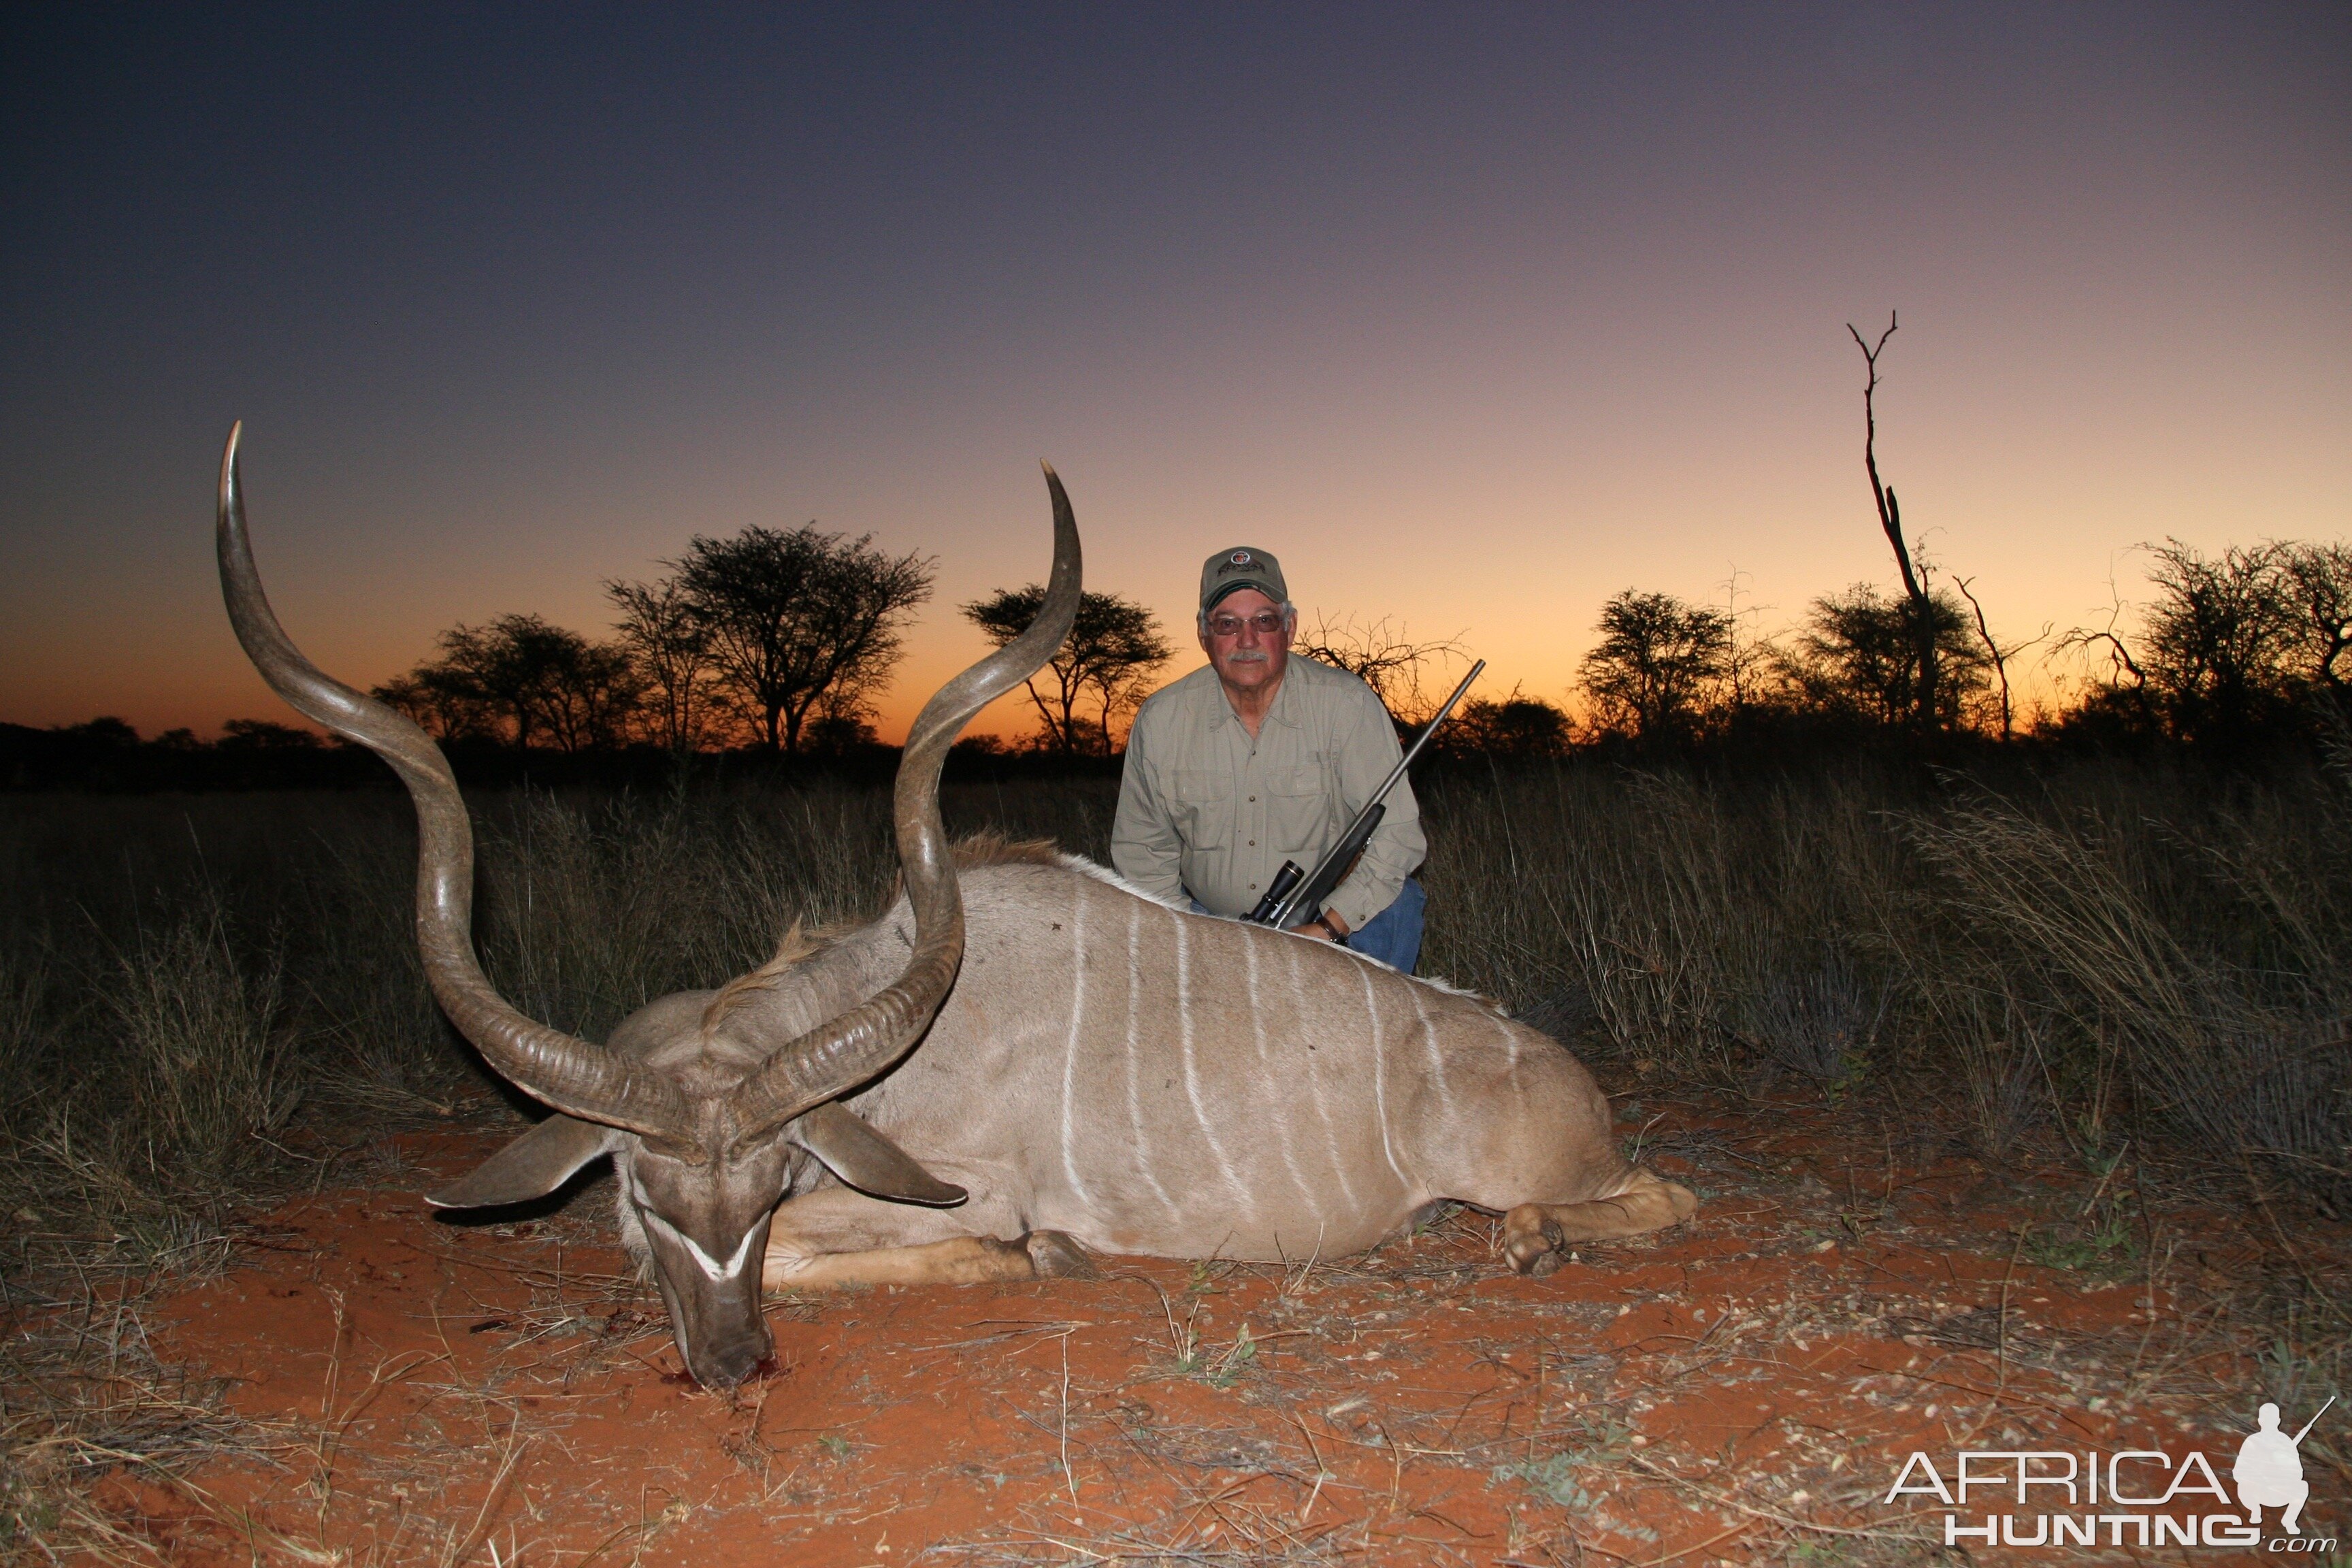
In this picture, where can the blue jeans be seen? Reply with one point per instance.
(1393, 936)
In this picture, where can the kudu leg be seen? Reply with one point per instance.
(834, 1236)
(1537, 1236)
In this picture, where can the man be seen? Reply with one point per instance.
(2269, 1471)
(1261, 757)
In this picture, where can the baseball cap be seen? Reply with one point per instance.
(1229, 570)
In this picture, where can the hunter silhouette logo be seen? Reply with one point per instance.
(2132, 1497)
(2269, 1471)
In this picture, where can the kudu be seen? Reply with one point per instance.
(1099, 1071)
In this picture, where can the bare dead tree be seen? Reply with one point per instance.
(2119, 656)
(1890, 517)
(1748, 664)
(1382, 656)
(2001, 656)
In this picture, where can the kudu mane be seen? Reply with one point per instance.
(798, 944)
(986, 847)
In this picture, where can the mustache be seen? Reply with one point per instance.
(1254, 656)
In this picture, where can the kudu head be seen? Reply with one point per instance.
(706, 1139)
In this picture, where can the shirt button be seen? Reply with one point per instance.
(1253, 800)
(1252, 844)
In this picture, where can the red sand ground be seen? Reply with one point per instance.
(1740, 1389)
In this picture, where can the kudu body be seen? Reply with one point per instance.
(1099, 1070)
(1141, 1079)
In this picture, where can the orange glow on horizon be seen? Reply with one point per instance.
(1474, 321)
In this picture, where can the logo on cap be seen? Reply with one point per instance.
(1239, 558)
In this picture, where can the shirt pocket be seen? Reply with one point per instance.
(1203, 808)
(1298, 809)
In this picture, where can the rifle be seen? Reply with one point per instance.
(1295, 896)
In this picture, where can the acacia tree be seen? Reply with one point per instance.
(440, 703)
(509, 664)
(797, 620)
(2319, 584)
(2230, 644)
(659, 628)
(1650, 675)
(1516, 726)
(592, 698)
(1113, 646)
(518, 676)
(1857, 654)
(2219, 642)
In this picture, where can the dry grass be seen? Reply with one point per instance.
(85, 1395)
(2106, 955)
(207, 1001)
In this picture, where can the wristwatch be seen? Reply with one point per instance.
(1334, 932)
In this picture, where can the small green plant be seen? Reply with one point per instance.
(1553, 1475)
(1438, 1215)
(835, 1446)
(27, 1515)
(1227, 1370)
(2106, 1248)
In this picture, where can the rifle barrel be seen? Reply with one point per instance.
(1287, 914)
(1422, 739)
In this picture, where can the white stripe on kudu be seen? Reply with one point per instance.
(1139, 1145)
(1070, 1051)
(1274, 1094)
(1304, 1033)
(1436, 1056)
(1511, 1049)
(1380, 1074)
(1192, 1067)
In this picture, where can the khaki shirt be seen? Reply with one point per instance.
(1202, 808)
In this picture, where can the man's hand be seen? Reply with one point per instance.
(1317, 929)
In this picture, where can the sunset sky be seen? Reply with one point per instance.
(1473, 314)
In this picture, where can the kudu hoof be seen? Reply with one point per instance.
(1057, 1256)
(1537, 1245)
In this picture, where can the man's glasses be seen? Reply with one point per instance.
(1265, 623)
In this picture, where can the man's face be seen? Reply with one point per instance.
(1248, 639)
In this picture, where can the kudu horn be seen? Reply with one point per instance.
(566, 1072)
(839, 1055)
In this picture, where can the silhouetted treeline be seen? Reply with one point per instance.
(108, 756)
(2239, 657)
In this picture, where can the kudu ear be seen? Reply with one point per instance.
(866, 1160)
(532, 1166)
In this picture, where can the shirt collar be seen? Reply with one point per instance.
(1283, 711)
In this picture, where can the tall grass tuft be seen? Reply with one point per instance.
(2183, 954)
(1686, 928)
(167, 1110)
(2102, 953)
